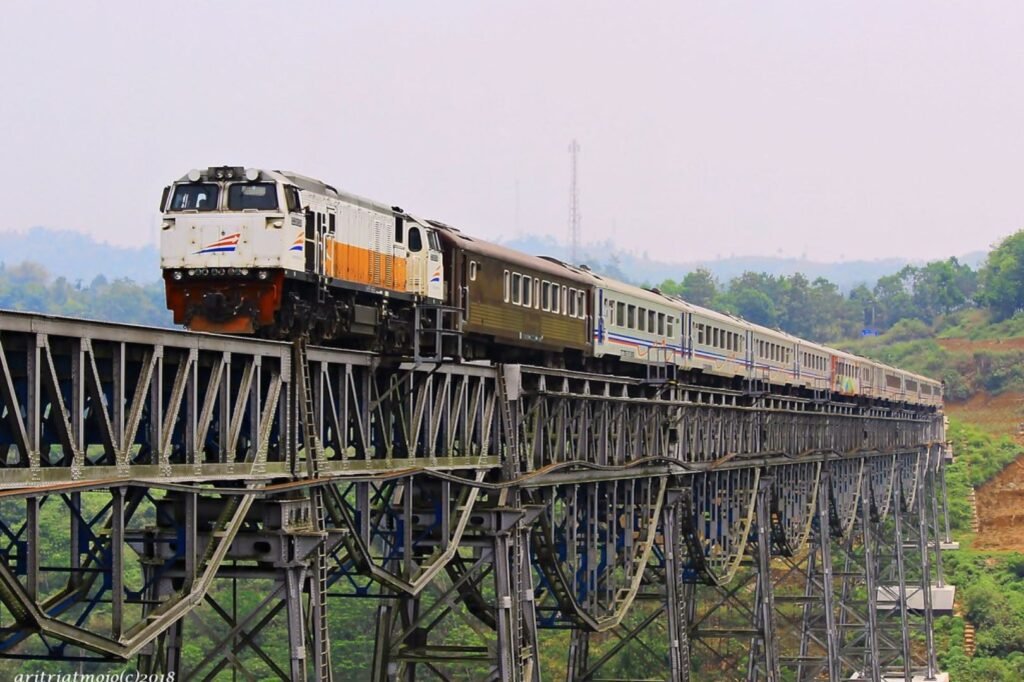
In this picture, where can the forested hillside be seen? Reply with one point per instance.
(31, 287)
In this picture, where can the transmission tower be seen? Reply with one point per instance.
(574, 204)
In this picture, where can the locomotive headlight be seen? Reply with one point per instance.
(244, 272)
(191, 273)
(167, 224)
(177, 275)
(262, 274)
(277, 223)
(252, 174)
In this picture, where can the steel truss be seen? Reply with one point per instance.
(706, 529)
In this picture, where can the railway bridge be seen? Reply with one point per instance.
(160, 488)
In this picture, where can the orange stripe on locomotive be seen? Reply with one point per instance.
(365, 266)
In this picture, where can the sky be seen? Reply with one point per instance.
(831, 130)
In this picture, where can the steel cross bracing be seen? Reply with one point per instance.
(161, 488)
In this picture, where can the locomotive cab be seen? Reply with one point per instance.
(228, 235)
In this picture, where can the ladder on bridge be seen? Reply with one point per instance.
(318, 579)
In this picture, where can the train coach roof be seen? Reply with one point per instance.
(510, 256)
(617, 286)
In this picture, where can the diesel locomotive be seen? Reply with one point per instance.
(274, 253)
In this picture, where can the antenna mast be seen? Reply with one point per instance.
(574, 205)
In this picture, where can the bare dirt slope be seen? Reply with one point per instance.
(1001, 510)
(1001, 500)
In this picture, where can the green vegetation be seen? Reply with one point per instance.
(979, 456)
(989, 585)
(30, 287)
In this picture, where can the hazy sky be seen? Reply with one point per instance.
(831, 129)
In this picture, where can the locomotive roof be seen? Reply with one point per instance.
(320, 187)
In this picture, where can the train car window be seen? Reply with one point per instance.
(195, 197)
(254, 196)
(399, 231)
(432, 239)
(291, 195)
(631, 317)
(572, 302)
(661, 324)
(545, 296)
(517, 288)
(556, 293)
(473, 265)
(669, 327)
(415, 240)
(527, 291)
(507, 279)
(652, 325)
(536, 293)
(700, 334)
(620, 313)
(609, 312)
(581, 305)
(641, 319)
(330, 223)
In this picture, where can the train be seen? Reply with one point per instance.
(274, 254)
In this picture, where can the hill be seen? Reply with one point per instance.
(78, 257)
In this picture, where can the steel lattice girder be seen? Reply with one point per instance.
(423, 467)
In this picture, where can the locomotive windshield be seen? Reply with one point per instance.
(260, 196)
(199, 196)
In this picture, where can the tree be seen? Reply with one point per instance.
(755, 306)
(1002, 278)
(699, 287)
(893, 294)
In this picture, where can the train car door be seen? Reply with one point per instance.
(748, 356)
(314, 241)
(424, 269)
(399, 257)
(435, 266)
(416, 265)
